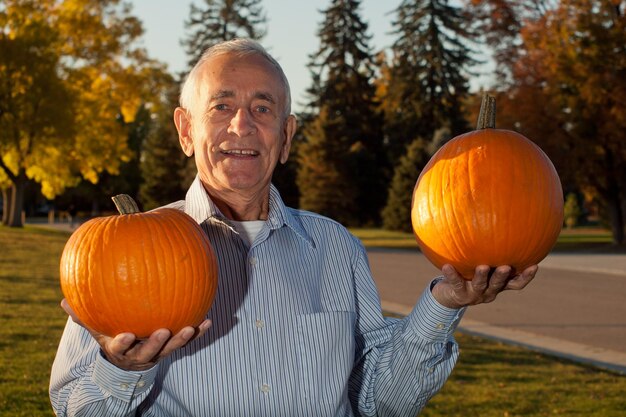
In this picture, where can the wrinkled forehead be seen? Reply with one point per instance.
(239, 74)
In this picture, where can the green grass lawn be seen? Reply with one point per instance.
(32, 320)
(495, 380)
(569, 240)
(491, 379)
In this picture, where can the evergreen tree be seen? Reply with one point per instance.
(323, 189)
(222, 20)
(428, 73)
(163, 164)
(343, 139)
(285, 175)
(397, 213)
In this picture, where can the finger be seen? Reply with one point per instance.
(521, 281)
(453, 278)
(481, 279)
(499, 279)
(183, 337)
(179, 340)
(203, 328)
(147, 350)
(118, 345)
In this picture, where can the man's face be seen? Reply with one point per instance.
(238, 130)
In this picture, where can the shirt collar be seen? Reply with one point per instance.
(280, 215)
(199, 206)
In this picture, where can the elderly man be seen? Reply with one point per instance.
(296, 328)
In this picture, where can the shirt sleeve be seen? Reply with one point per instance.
(400, 364)
(84, 383)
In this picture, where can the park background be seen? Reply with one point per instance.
(85, 113)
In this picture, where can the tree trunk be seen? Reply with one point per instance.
(616, 215)
(617, 223)
(6, 204)
(613, 193)
(17, 201)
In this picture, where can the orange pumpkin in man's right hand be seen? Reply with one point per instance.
(139, 272)
(488, 197)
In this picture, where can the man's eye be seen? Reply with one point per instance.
(263, 109)
(220, 107)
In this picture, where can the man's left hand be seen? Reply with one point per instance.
(455, 292)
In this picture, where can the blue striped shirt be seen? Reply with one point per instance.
(297, 331)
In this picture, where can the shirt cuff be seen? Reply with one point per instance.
(431, 320)
(119, 383)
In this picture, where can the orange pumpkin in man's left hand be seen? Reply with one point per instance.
(488, 197)
(139, 272)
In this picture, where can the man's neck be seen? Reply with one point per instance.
(240, 206)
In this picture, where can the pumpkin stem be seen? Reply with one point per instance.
(487, 115)
(125, 204)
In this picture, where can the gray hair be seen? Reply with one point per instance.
(239, 47)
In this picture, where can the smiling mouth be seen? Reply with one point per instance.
(240, 152)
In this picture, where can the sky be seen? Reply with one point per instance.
(291, 33)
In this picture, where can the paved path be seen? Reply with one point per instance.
(575, 307)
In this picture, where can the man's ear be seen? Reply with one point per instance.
(183, 126)
(289, 131)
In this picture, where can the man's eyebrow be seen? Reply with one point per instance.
(229, 93)
(266, 97)
(222, 94)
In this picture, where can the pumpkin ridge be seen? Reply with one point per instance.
(95, 292)
(211, 266)
(90, 309)
(174, 270)
(150, 264)
(163, 271)
(473, 194)
(541, 232)
(534, 210)
(89, 305)
(429, 206)
(454, 223)
(74, 275)
(207, 289)
(116, 320)
(178, 269)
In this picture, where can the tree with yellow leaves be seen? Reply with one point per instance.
(71, 79)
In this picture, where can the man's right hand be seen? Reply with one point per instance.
(127, 352)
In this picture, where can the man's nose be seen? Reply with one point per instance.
(242, 123)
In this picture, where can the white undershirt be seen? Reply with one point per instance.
(248, 230)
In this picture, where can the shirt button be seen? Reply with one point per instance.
(141, 384)
(252, 261)
(260, 323)
(440, 326)
(124, 386)
(265, 389)
(431, 370)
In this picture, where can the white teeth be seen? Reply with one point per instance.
(240, 152)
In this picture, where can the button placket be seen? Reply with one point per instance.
(258, 321)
